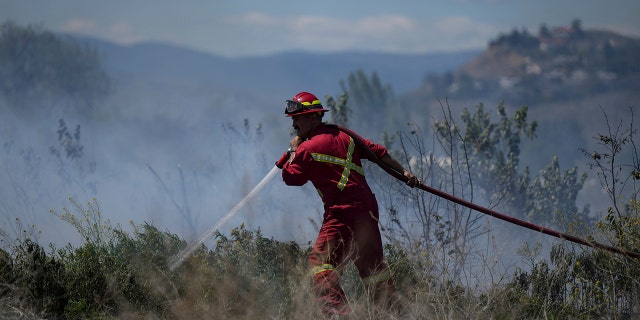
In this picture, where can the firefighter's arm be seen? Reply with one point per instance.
(295, 170)
(412, 180)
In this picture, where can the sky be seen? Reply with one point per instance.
(252, 28)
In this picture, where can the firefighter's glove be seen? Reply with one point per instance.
(412, 180)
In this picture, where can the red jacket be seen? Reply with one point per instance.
(331, 160)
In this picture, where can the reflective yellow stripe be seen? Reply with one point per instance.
(322, 268)
(306, 103)
(384, 276)
(346, 163)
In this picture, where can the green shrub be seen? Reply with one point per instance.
(39, 279)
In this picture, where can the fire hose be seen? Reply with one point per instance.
(439, 193)
(193, 246)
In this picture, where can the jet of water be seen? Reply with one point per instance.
(182, 255)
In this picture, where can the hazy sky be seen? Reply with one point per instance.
(241, 28)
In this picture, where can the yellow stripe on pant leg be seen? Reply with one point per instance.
(322, 268)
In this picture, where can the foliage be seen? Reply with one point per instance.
(367, 92)
(477, 160)
(37, 66)
(493, 150)
(617, 173)
(433, 245)
(117, 274)
(592, 283)
(114, 274)
(520, 41)
(493, 156)
(366, 95)
(40, 278)
(257, 272)
(70, 144)
(69, 155)
(587, 285)
(482, 157)
(340, 111)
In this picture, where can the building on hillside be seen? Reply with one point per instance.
(559, 36)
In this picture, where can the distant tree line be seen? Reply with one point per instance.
(40, 71)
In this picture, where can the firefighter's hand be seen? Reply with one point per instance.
(295, 142)
(412, 180)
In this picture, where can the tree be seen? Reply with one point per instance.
(592, 283)
(340, 111)
(39, 70)
(552, 194)
(367, 93)
(576, 27)
(494, 159)
(544, 32)
(367, 96)
(477, 160)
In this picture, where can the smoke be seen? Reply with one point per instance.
(180, 153)
(211, 231)
(177, 157)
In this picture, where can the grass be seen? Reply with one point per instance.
(245, 275)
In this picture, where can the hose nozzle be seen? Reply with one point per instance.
(280, 163)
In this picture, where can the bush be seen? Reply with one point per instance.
(38, 278)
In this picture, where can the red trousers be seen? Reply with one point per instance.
(349, 233)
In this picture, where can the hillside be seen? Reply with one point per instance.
(570, 79)
(557, 64)
(277, 73)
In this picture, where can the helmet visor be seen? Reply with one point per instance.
(293, 107)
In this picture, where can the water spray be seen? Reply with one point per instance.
(186, 252)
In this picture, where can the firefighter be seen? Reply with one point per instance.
(331, 160)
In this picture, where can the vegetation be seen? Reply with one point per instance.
(115, 274)
(592, 283)
(444, 257)
(38, 66)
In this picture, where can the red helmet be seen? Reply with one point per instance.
(303, 102)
